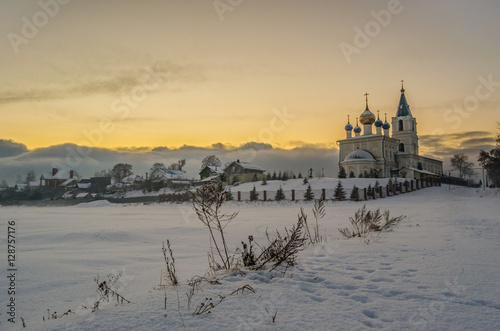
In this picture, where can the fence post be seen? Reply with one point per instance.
(357, 194)
(239, 195)
(339, 195)
(323, 194)
(308, 195)
(412, 186)
(401, 187)
(293, 195)
(381, 189)
(365, 195)
(278, 198)
(387, 190)
(265, 195)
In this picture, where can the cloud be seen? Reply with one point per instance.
(11, 148)
(446, 145)
(86, 161)
(114, 82)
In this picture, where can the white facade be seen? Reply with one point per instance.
(381, 155)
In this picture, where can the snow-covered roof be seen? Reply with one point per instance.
(217, 170)
(34, 184)
(60, 174)
(421, 171)
(249, 166)
(67, 182)
(21, 186)
(168, 173)
(83, 185)
(359, 155)
(82, 195)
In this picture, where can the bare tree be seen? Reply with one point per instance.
(460, 163)
(157, 165)
(212, 161)
(491, 162)
(30, 177)
(121, 170)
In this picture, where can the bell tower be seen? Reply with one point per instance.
(404, 127)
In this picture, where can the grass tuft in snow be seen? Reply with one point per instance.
(366, 222)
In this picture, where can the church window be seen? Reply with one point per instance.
(400, 125)
(401, 147)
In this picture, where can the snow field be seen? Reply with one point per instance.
(438, 270)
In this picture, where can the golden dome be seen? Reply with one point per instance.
(367, 117)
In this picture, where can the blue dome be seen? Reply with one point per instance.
(386, 126)
(357, 129)
(378, 123)
(348, 127)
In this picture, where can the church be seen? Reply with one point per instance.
(378, 154)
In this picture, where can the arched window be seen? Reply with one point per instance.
(400, 125)
(401, 147)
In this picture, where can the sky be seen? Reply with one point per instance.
(126, 77)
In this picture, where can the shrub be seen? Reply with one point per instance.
(207, 203)
(367, 221)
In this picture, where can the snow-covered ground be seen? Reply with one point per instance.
(438, 270)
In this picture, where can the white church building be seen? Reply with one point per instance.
(378, 154)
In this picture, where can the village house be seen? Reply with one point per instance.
(242, 172)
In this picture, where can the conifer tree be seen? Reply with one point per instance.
(305, 181)
(280, 176)
(369, 190)
(342, 173)
(300, 175)
(351, 174)
(264, 180)
(280, 195)
(360, 175)
(255, 178)
(353, 192)
(285, 176)
(274, 177)
(229, 195)
(311, 193)
(254, 195)
(339, 191)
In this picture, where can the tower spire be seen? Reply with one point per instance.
(402, 86)
(366, 96)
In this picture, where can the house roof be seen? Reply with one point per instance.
(249, 166)
(82, 195)
(67, 182)
(83, 185)
(170, 173)
(217, 170)
(60, 174)
(421, 171)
